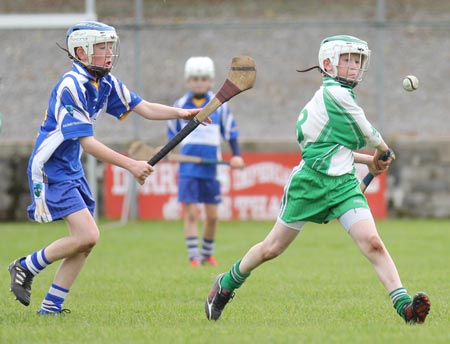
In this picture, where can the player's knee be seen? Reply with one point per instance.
(375, 244)
(191, 216)
(191, 219)
(88, 241)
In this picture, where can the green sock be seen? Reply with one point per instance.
(400, 298)
(233, 279)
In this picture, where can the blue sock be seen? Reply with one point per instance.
(35, 262)
(54, 300)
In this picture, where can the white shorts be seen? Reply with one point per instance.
(347, 220)
(297, 225)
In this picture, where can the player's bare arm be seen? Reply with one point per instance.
(367, 159)
(361, 158)
(140, 169)
(156, 111)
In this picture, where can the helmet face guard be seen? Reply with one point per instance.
(349, 74)
(342, 51)
(102, 63)
(100, 44)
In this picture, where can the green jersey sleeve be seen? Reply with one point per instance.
(348, 119)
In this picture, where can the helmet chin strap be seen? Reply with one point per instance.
(352, 84)
(98, 72)
(199, 95)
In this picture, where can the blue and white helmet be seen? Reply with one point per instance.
(86, 35)
(333, 47)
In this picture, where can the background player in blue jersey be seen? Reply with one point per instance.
(58, 186)
(197, 183)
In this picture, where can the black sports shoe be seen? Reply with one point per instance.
(417, 310)
(21, 280)
(217, 299)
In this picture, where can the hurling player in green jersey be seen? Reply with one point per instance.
(323, 186)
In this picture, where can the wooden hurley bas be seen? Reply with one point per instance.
(241, 77)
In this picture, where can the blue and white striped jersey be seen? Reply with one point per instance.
(205, 140)
(75, 103)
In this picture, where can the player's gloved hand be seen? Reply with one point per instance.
(237, 162)
(41, 212)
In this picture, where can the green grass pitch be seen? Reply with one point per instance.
(137, 287)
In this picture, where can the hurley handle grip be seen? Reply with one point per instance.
(368, 179)
(188, 128)
(369, 176)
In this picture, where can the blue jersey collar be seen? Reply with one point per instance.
(80, 69)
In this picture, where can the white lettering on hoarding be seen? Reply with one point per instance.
(164, 180)
(260, 173)
(259, 207)
(223, 175)
(120, 181)
(172, 210)
(225, 208)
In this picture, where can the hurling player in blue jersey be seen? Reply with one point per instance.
(58, 186)
(197, 183)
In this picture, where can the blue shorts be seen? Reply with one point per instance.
(198, 190)
(64, 198)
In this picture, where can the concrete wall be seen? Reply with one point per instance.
(31, 64)
(14, 192)
(419, 181)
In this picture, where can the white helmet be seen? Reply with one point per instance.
(333, 47)
(86, 35)
(199, 66)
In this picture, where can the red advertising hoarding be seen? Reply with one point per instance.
(253, 193)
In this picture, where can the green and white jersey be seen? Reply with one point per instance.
(331, 126)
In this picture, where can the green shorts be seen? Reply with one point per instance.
(316, 197)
